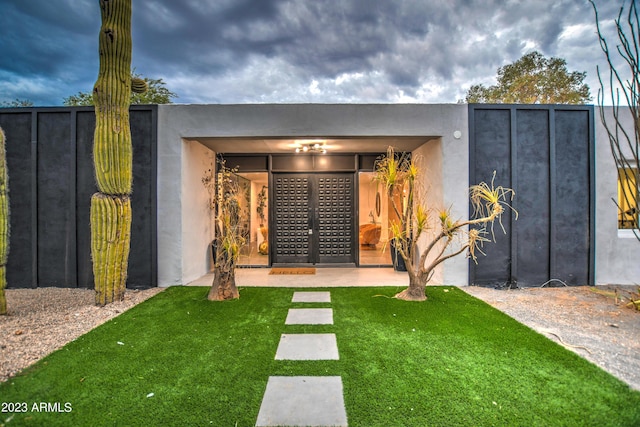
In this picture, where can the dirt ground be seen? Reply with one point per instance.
(586, 320)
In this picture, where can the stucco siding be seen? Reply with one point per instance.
(617, 252)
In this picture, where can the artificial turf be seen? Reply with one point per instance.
(179, 359)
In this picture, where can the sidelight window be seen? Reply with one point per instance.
(373, 222)
(254, 218)
(628, 198)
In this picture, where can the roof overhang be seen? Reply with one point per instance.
(377, 144)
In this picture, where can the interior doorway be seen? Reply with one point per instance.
(313, 218)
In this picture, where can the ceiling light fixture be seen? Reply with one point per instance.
(311, 147)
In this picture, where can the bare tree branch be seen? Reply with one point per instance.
(623, 83)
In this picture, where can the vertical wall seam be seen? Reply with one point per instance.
(71, 257)
(270, 209)
(513, 273)
(356, 212)
(553, 195)
(592, 197)
(154, 196)
(472, 178)
(34, 199)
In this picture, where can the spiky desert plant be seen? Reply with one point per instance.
(112, 154)
(400, 176)
(4, 221)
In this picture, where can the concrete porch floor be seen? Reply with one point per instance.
(324, 277)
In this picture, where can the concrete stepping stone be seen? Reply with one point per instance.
(307, 347)
(303, 401)
(309, 316)
(311, 297)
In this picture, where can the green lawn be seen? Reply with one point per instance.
(452, 360)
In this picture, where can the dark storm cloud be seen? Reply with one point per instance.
(45, 35)
(326, 38)
(45, 48)
(294, 50)
(192, 34)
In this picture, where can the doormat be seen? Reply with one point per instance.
(292, 270)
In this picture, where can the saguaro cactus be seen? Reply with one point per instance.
(112, 154)
(4, 222)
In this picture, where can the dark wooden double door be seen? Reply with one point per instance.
(313, 218)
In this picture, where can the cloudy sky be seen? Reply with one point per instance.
(288, 51)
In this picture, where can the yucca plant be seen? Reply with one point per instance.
(224, 202)
(400, 176)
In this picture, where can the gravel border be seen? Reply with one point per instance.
(585, 321)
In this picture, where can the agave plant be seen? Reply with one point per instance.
(400, 176)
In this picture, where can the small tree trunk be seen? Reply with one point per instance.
(224, 285)
(415, 291)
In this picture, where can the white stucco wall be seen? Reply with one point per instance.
(455, 188)
(429, 161)
(617, 252)
(446, 176)
(197, 226)
(179, 259)
(169, 192)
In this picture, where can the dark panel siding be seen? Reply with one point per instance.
(545, 153)
(142, 265)
(492, 133)
(50, 240)
(311, 162)
(248, 163)
(573, 197)
(85, 187)
(56, 233)
(20, 162)
(532, 197)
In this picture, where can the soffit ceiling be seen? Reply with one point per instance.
(333, 145)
